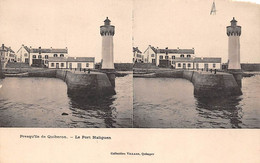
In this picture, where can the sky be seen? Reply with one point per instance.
(188, 24)
(67, 23)
(160, 23)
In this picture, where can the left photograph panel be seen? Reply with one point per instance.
(66, 64)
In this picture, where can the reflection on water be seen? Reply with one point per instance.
(44, 102)
(164, 102)
(222, 108)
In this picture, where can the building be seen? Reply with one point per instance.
(7, 54)
(72, 62)
(23, 54)
(137, 55)
(179, 59)
(39, 57)
(107, 32)
(207, 63)
(167, 57)
(150, 55)
(234, 33)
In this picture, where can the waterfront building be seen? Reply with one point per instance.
(137, 55)
(207, 63)
(179, 59)
(39, 57)
(7, 54)
(168, 57)
(72, 62)
(150, 55)
(23, 54)
(234, 33)
(107, 32)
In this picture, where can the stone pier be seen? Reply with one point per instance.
(205, 84)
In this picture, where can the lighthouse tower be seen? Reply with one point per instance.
(107, 32)
(234, 33)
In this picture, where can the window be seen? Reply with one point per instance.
(182, 55)
(188, 56)
(62, 64)
(161, 57)
(34, 56)
(214, 65)
(46, 62)
(172, 62)
(87, 64)
(166, 57)
(179, 65)
(55, 55)
(39, 56)
(152, 55)
(173, 57)
(188, 64)
(52, 64)
(197, 65)
(46, 56)
(61, 55)
(25, 54)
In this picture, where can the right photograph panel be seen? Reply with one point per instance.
(196, 64)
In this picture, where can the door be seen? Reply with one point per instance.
(206, 66)
(70, 66)
(79, 65)
(184, 65)
(57, 65)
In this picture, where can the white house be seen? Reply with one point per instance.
(72, 62)
(137, 55)
(207, 63)
(7, 54)
(179, 58)
(169, 57)
(23, 54)
(150, 55)
(39, 56)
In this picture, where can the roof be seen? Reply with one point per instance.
(71, 59)
(27, 49)
(176, 51)
(57, 59)
(81, 59)
(207, 60)
(183, 60)
(7, 49)
(135, 49)
(50, 50)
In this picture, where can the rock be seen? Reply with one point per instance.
(64, 114)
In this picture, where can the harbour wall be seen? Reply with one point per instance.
(250, 66)
(93, 84)
(213, 85)
(205, 84)
(87, 85)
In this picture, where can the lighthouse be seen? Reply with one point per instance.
(234, 33)
(107, 32)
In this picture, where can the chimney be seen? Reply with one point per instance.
(22, 44)
(166, 48)
(40, 47)
(3, 46)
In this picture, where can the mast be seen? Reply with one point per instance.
(213, 9)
